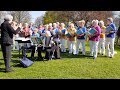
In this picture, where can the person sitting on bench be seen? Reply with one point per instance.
(52, 52)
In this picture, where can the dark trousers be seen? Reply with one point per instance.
(33, 50)
(54, 51)
(48, 54)
(39, 49)
(6, 50)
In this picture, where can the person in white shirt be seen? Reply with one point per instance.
(63, 38)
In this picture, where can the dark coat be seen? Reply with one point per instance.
(7, 32)
(118, 32)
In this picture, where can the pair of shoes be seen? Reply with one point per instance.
(83, 55)
(32, 57)
(80, 52)
(39, 58)
(50, 59)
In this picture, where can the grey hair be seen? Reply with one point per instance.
(101, 22)
(8, 17)
(110, 19)
(96, 21)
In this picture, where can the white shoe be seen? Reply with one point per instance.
(111, 56)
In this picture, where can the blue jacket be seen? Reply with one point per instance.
(84, 30)
(112, 35)
(37, 35)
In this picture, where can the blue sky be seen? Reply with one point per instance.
(36, 14)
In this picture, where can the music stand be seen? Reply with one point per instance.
(35, 40)
(24, 61)
(23, 41)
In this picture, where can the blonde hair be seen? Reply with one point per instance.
(54, 24)
(79, 22)
(83, 21)
(62, 24)
(46, 27)
(101, 23)
(57, 23)
(50, 24)
(72, 24)
(69, 23)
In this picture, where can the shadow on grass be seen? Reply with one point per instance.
(67, 55)
(2, 70)
(16, 56)
(1, 59)
(37, 59)
(1, 63)
(18, 65)
(15, 61)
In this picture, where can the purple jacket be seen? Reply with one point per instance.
(97, 35)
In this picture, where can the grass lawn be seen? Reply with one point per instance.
(69, 67)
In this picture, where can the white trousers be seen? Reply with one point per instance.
(101, 46)
(82, 42)
(72, 47)
(63, 49)
(93, 48)
(67, 43)
(109, 44)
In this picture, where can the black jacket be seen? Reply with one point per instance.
(7, 32)
(118, 32)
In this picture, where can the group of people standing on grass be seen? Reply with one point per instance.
(60, 35)
(102, 42)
